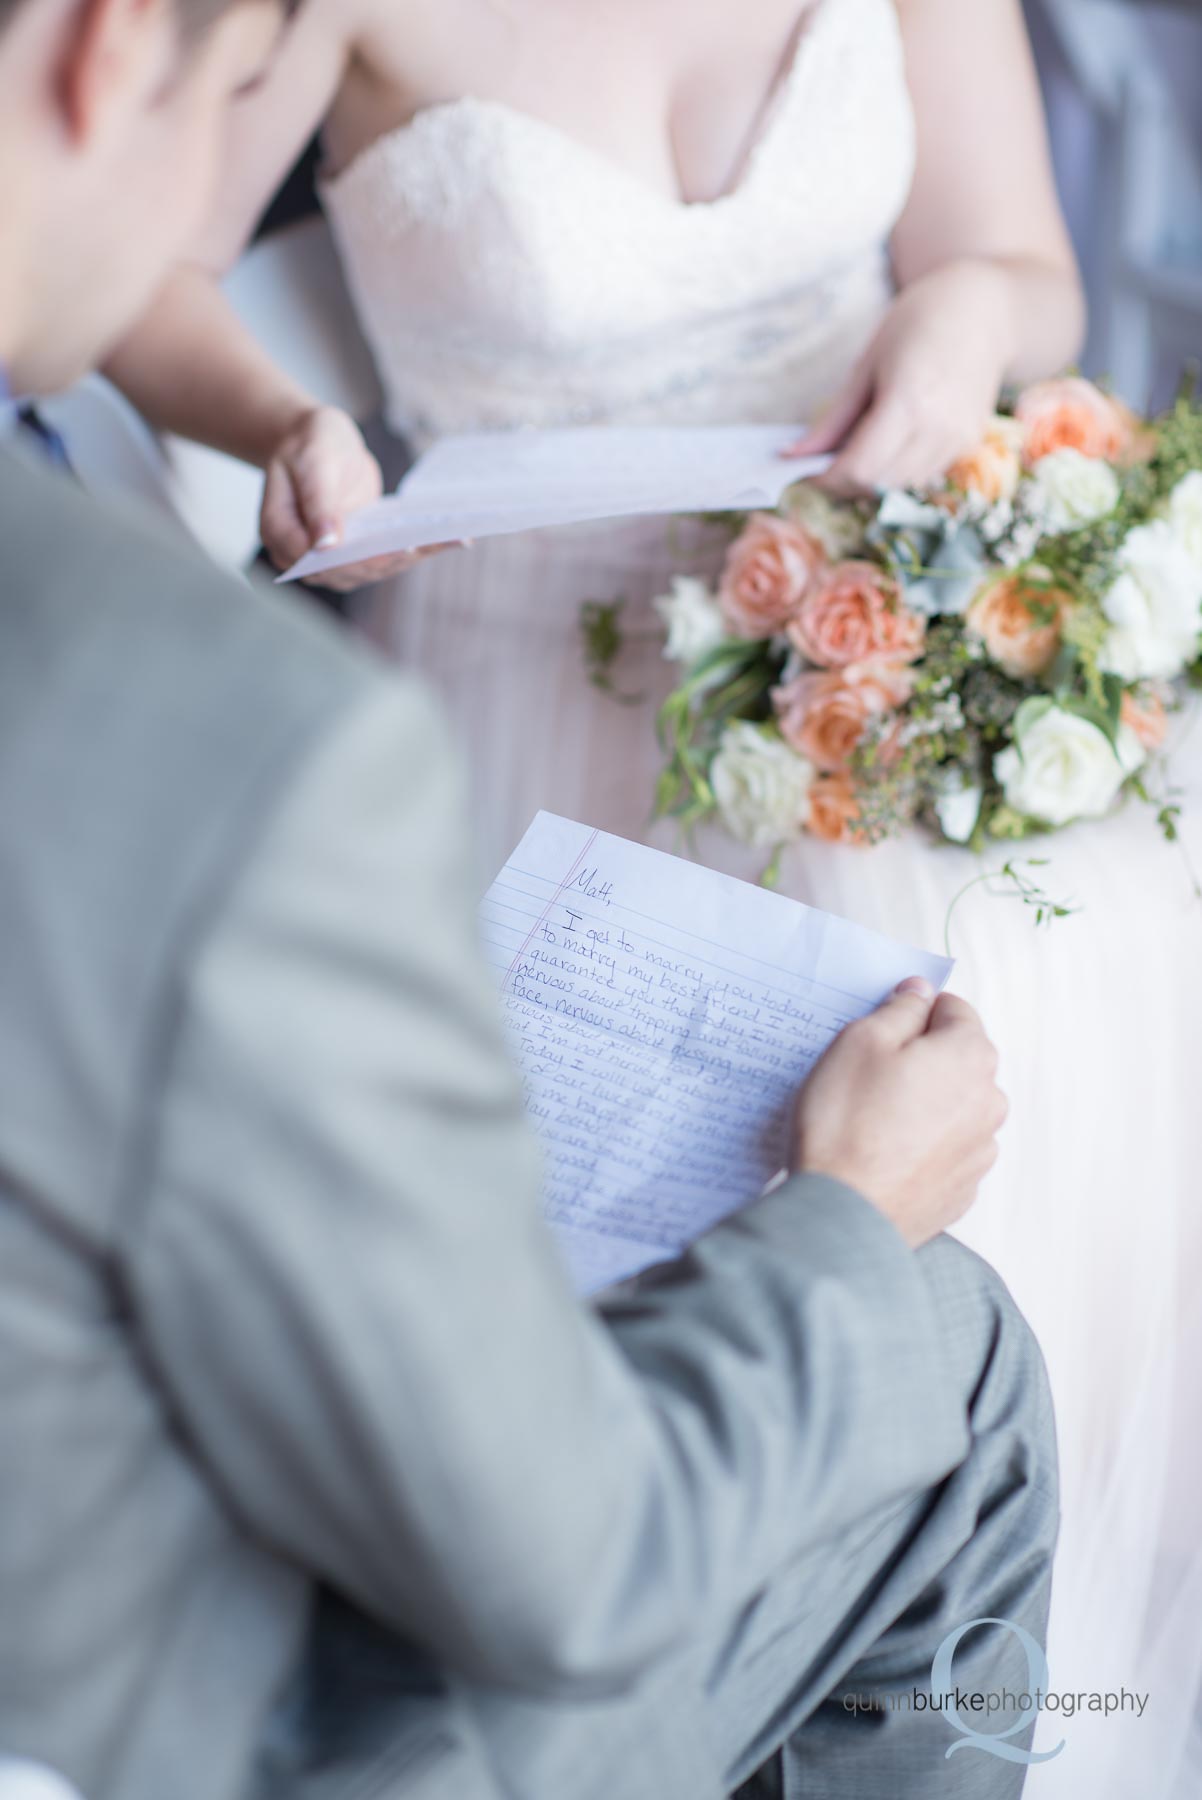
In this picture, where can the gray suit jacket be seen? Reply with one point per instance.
(279, 1315)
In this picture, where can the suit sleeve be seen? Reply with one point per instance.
(349, 1296)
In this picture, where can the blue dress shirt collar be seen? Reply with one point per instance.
(8, 405)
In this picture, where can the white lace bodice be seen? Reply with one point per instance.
(508, 275)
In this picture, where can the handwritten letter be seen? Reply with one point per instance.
(664, 1017)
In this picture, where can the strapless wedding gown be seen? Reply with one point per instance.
(507, 276)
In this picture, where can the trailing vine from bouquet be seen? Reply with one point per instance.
(1011, 883)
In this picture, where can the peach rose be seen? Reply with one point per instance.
(1009, 616)
(994, 468)
(1145, 716)
(1073, 414)
(770, 569)
(824, 716)
(834, 810)
(857, 615)
(1143, 440)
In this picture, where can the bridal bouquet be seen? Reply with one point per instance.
(993, 658)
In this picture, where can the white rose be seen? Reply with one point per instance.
(761, 786)
(1185, 515)
(694, 621)
(1064, 768)
(1069, 491)
(958, 810)
(1155, 607)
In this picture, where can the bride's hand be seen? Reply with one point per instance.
(320, 472)
(921, 395)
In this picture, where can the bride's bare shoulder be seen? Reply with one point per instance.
(403, 55)
(414, 23)
(404, 39)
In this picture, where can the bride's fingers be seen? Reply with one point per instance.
(894, 448)
(867, 461)
(365, 574)
(314, 480)
(912, 465)
(926, 459)
(378, 568)
(284, 531)
(834, 426)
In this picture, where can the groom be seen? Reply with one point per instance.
(316, 1480)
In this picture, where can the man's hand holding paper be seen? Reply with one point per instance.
(865, 1116)
(665, 1015)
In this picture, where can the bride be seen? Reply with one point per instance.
(678, 210)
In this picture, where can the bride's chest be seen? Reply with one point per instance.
(673, 92)
(480, 223)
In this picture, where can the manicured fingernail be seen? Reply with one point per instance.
(327, 541)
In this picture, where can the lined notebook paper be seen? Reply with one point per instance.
(490, 484)
(664, 1017)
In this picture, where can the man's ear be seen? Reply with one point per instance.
(116, 55)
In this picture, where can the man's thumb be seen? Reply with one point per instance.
(907, 1012)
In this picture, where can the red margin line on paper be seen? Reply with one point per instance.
(547, 910)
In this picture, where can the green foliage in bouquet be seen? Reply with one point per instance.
(733, 681)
